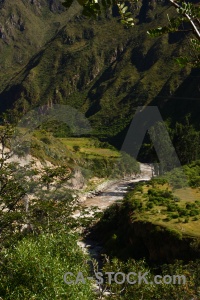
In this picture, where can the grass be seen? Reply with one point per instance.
(91, 154)
(160, 215)
(43, 146)
(188, 194)
(90, 147)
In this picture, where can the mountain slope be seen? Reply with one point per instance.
(104, 70)
(25, 27)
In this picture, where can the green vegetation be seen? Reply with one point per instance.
(34, 268)
(163, 291)
(104, 75)
(94, 158)
(25, 28)
(153, 213)
(90, 147)
(187, 12)
(184, 133)
(52, 56)
(39, 236)
(174, 209)
(131, 230)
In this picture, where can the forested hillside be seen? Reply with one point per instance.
(97, 66)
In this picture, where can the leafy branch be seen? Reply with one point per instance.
(94, 8)
(187, 13)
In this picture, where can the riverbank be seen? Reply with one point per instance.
(111, 191)
(104, 196)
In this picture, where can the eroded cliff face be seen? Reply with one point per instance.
(27, 17)
(54, 5)
(160, 245)
(125, 236)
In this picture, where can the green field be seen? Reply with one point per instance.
(44, 145)
(90, 147)
(178, 209)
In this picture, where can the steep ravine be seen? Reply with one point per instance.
(139, 238)
(159, 245)
(109, 195)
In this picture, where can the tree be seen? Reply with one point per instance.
(186, 140)
(126, 166)
(94, 8)
(187, 14)
(38, 230)
(32, 199)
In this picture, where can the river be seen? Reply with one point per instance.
(115, 191)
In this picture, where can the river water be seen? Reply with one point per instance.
(112, 193)
(117, 190)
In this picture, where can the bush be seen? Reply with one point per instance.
(76, 148)
(34, 269)
(183, 212)
(159, 193)
(194, 212)
(150, 205)
(172, 207)
(175, 216)
(161, 181)
(45, 140)
(175, 233)
(153, 192)
(166, 194)
(137, 204)
(168, 219)
(190, 205)
(138, 188)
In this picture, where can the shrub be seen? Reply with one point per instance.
(190, 205)
(172, 207)
(150, 205)
(166, 194)
(45, 140)
(194, 212)
(35, 267)
(175, 233)
(183, 211)
(153, 192)
(138, 188)
(175, 216)
(76, 148)
(161, 181)
(136, 204)
(168, 218)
